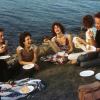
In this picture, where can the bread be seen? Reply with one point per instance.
(25, 89)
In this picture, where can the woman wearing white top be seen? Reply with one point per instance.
(89, 43)
(90, 34)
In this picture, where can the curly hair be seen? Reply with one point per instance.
(59, 25)
(88, 21)
(22, 38)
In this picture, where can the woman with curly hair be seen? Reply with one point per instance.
(26, 53)
(63, 41)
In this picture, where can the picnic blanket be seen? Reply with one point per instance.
(11, 91)
(58, 58)
(61, 57)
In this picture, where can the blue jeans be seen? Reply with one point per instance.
(89, 59)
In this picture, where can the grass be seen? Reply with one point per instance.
(62, 81)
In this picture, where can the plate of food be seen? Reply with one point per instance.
(28, 66)
(4, 93)
(5, 86)
(86, 73)
(5, 57)
(26, 89)
(97, 76)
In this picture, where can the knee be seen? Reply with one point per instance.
(81, 58)
(82, 64)
(85, 64)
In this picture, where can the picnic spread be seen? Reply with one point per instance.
(20, 89)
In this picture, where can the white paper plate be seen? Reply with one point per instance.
(28, 66)
(5, 86)
(86, 73)
(32, 81)
(97, 76)
(77, 44)
(92, 48)
(31, 88)
(5, 57)
(5, 93)
(74, 56)
(62, 53)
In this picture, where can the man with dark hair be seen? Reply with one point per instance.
(92, 58)
(97, 24)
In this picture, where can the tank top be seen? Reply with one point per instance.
(63, 47)
(27, 56)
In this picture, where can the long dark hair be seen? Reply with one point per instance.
(88, 21)
(22, 38)
(60, 26)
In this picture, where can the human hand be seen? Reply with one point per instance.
(2, 48)
(90, 33)
(88, 47)
(98, 49)
(78, 40)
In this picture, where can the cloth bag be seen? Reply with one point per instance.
(89, 91)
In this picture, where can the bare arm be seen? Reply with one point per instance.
(54, 45)
(91, 41)
(35, 55)
(82, 41)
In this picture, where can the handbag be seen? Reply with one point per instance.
(89, 91)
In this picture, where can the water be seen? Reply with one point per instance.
(37, 16)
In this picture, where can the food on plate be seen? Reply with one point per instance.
(25, 89)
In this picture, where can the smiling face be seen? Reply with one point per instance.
(57, 29)
(1, 37)
(28, 41)
(97, 23)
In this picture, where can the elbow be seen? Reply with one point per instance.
(20, 62)
(71, 50)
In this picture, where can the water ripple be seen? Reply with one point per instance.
(36, 16)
